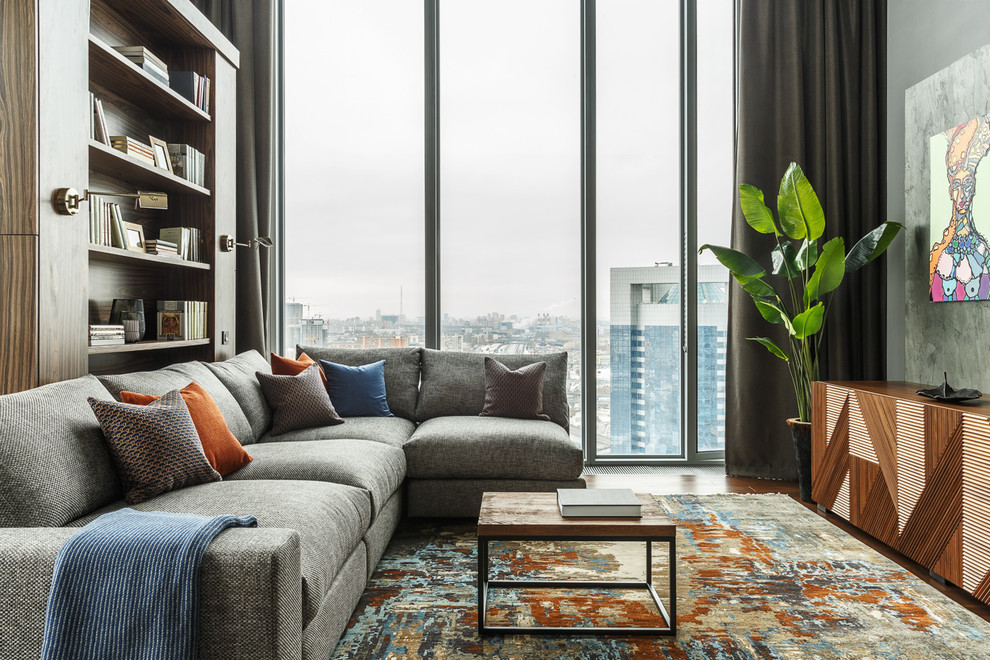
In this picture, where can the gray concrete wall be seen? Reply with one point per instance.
(925, 339)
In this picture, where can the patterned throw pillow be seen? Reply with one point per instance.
(156, 447)
(517, 394)
(298, 402)
(283, 366)
(222, 449)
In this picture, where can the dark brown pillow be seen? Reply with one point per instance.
(298, 402)
(517, 394)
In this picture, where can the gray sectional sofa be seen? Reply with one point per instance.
(327, 499)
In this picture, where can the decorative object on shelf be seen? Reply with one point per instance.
(159, 149)
(128, 309)
(227, 243)
(802, 310)
(132, 330)
(945, 393)
(133, 237)
(67, 200)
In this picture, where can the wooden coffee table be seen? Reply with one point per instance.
(535, 517)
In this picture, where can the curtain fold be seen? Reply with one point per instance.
(812, 81)
(250, 25)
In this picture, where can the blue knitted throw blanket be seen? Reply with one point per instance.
(126, 586)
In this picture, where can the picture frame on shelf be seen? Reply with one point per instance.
(134, 237)
(160, 149)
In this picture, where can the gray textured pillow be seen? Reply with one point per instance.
(517, 394)
(298, 402)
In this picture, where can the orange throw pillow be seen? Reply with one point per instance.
(283, 366)
(222, 449)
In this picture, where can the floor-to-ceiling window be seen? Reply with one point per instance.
(354, 259)
(510, 179)
(509, 132)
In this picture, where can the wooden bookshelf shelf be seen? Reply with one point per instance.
(116, 255)
(112, 70)
(147, 346)
(117, 164)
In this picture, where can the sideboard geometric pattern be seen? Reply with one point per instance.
(912, 473)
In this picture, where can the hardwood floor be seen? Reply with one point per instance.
(710, 484)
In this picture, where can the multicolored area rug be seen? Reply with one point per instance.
(759, 576)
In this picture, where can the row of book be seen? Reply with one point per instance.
(145, 60)
(106, 224)
(160, 247)
(194, 87)
(106, 335)
(188, 241)
(98, 121)
(188, 163)
(181, 319)
(134, 148)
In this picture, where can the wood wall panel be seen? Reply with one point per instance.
(18, 118)
(18, 322)
(917, 474)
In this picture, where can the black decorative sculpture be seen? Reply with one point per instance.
(945, 393)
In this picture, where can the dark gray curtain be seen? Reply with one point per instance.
(250, 25)
(812, 90)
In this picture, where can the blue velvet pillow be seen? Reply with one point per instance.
(357, 391)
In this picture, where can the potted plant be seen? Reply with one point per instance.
(809, 269)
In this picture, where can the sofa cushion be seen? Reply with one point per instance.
(283, 366)
(357, 391)
(298, 402)
(514, 393)
(331, 520)
(401, 371)
(454, 384)
(155, 446)
(222, 449)
(490, 447)
(238, 375)
(55, 464)
(393, 431)
(177, 376)
(372, 466)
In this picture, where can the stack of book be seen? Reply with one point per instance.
(598, 503)
(188, 163)
(181, 319)
(160, 247)
(133, 147)
(98, 121)
(106, 335)
(194, 87)
(145, 60)
(106, 224)
(187, 240)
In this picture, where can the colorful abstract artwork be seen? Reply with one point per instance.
(957, 267)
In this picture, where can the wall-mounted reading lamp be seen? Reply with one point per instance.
(67, 200)
(227, 243)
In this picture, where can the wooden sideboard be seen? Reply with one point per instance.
(912, 472)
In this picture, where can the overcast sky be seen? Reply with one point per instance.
(510, 150)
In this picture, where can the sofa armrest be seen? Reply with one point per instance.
(250, 603)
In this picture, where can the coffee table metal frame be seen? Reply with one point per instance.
(669, 619)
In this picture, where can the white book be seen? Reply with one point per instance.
(598, 502)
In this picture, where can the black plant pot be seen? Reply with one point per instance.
(801, 432)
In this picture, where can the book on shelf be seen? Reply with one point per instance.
(98, 121)
(146, 60)
(106, 223)
(187, 240)
(106, 335)
(160, 247)
(193, 87)
(107, 342)
(188, 163)
(133, 147)
(598, 503)
(182, 319)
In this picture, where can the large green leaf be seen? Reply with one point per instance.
(769, 310)
(784, 258)
(742, 266)
(770, 346)
(755, 210)
(872, 245)
(807, 255)
(808, 322)
(759, 289)
(829, 270)
(801, 214)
